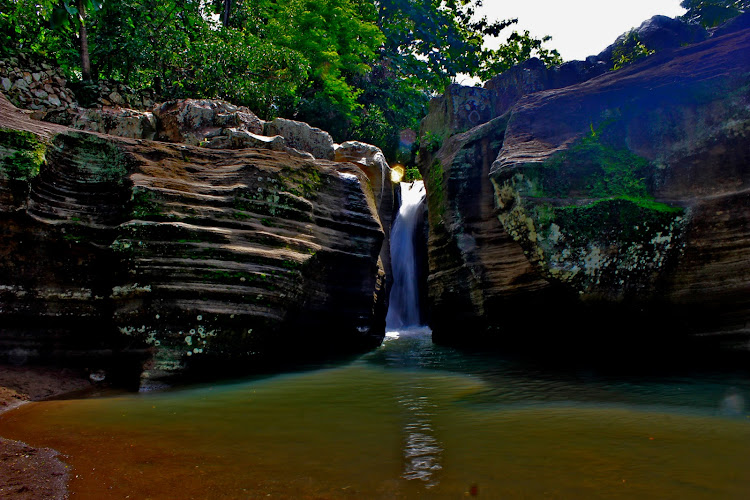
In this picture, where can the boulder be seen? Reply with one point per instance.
(232, 138)
(121, 122)
(659, 33)
(190, 121)
(738, 23)
(300, 135)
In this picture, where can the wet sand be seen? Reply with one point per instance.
(27, 472)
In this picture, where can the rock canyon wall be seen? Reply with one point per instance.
(613, 202)
(123, 253)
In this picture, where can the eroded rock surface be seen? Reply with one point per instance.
(117, 250)
(372, 162)
(622, 198)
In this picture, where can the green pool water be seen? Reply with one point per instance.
(409, 420)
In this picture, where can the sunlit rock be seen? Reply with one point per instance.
(300, 135)
(190, 121)
(121, 122)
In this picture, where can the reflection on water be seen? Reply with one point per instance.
(422, 451)
(411, 420)
(733, 404)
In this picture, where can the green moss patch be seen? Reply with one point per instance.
(304, 182)
(592, 169)
(144, 204)
(95, 159)
(587, 218)
(436, 187)
(620, 220)
(21, 154)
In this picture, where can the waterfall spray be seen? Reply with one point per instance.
(403, 310)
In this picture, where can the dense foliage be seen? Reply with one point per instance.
(358, 68)
(711, 13)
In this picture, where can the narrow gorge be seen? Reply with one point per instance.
(196, 240)
(547, 296)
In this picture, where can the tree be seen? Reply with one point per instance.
(428, 43)
(712, 13)
(517, 49)
(66, 14)
(435, 40)
(361, 69)
(340, 40)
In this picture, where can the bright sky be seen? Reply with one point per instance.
(579, 28)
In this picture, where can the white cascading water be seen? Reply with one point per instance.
(403, 309)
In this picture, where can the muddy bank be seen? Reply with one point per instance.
(27, 472)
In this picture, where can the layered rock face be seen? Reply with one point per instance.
(618, 201)
(185, 257)
(372, 162)
(476, 270)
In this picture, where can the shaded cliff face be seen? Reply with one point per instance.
(475, 268)
(182, 256)
(619, 200)
(633, 187)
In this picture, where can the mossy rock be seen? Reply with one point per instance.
(586, 217)
(21, 154)
(97, 160)
(591, 168)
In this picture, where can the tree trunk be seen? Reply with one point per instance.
(85, 60)
(227, 8)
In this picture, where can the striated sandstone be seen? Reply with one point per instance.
(476, 270)
(632, 188)
(618, 201)
(119, 251)
(372, 162)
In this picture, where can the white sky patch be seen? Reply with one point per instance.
(579, 28)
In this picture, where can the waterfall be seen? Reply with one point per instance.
(403, 310)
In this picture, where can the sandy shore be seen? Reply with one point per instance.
(27, 472)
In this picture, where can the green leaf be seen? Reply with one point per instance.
(72, 9)
(60, 18)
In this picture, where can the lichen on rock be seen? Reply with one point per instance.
(586, 217)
